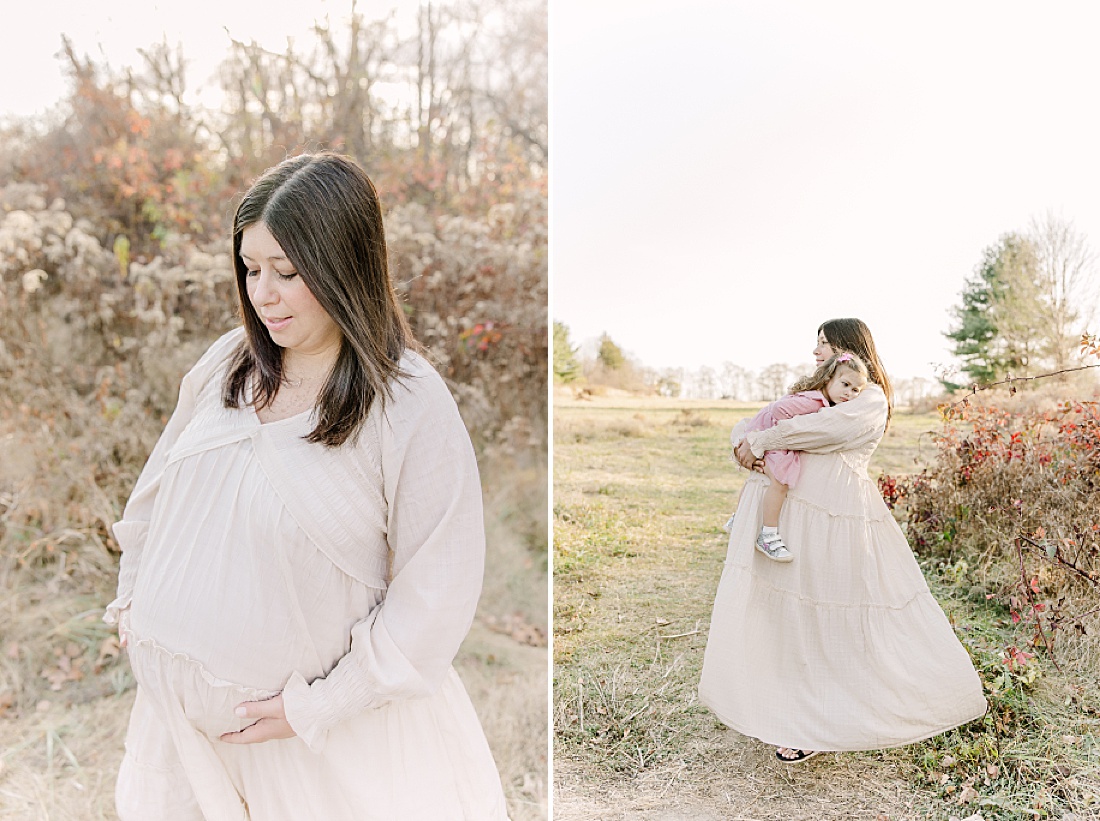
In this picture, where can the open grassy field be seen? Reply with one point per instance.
(641, 491)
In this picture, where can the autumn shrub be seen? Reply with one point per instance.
(1006, 523)
(1013, 501)
(477, 292)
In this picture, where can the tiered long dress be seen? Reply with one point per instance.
(257, 563)
(844, 648)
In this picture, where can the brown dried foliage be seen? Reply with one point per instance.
(1015, 494)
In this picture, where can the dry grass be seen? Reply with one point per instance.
(638, 552)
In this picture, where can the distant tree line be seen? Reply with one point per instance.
(611, 367)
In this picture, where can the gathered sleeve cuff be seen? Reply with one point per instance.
(130, 536)
(131, 532)
(839, 427)
(436, 532)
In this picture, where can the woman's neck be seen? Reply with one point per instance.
(301, 366)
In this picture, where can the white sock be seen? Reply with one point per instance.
(769, 531)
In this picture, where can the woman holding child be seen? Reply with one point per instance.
(825, 636)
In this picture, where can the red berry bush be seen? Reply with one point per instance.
(1015, 494)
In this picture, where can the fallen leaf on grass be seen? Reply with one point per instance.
(518, 628)
(967, 795)
(70, 667)
(108, 651)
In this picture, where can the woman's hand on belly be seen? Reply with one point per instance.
(743, 454)
(271, 724)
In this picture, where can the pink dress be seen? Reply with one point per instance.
(784, 464)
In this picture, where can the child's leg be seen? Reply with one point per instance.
(774, 497)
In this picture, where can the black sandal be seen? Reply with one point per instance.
(799, 757)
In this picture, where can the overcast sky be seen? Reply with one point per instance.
(727, 175)
(120, 27)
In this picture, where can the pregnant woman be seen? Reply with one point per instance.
(302, 555)
(845, 648)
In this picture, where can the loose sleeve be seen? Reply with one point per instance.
(435, 529)
(132, 530)
(839, 427)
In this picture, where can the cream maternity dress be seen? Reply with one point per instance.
(844, 648)
(256, 563)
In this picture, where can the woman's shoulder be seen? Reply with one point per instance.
(222, 347)
(873, 394)
(871, 400)
(216, 355)
(418, 406)
(418, 388)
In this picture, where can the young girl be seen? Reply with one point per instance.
(840, 378)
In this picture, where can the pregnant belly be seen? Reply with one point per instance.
(182, 686)
(826, 481)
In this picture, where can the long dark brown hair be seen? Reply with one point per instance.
(324, 212)
(854, 335)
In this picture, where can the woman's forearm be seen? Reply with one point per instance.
(837, 428)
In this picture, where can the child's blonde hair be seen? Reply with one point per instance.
(820, 378)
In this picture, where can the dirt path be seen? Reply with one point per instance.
(744, 785)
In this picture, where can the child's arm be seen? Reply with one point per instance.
(831, 429)
(797, 404)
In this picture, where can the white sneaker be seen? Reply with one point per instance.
(774, 548)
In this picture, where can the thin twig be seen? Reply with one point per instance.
(1060, 561)
(1030, 600)
(681, 635)
(974, 389)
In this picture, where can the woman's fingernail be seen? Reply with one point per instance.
(241, 711)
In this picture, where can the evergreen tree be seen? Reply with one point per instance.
(610, 355)
(998, 325)
(566, 367)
